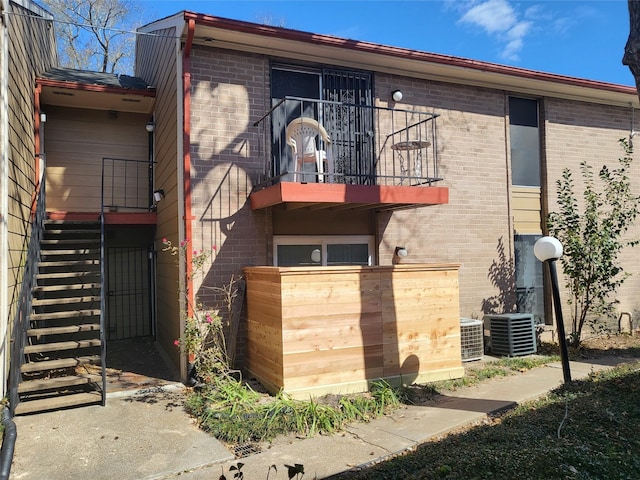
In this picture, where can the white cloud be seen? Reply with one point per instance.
(493, 15)
(500, 20)
(515, 40)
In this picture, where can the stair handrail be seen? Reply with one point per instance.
(23, 311)
(103, 342)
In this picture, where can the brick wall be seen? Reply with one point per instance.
(471, 229)
(231, 91)
(576, 132)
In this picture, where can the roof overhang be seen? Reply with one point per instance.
(97, 97)
(314, 196)
(311, 47)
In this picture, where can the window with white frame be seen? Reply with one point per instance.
(324, 250)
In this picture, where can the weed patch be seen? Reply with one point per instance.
(234, 413)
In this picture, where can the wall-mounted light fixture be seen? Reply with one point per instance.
(150, 127)
(397, 95)
(158, 195)
(401, 252)
(316, 256)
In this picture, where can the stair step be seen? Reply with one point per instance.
(69, 263)
(85, 327)
(53, 276)
(79, 251)
(59, 363)
(71, 231)
(95, 222)
(68, 241)
(56, 346)
(57, 382)
(37, 302)
(68, 314)
(55, 403)
(60, 288)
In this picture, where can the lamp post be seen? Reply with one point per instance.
(548, 250)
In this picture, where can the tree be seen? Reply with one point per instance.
(92, 34)
(631, 56)
(593, 238)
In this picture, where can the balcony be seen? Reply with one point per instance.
(325, 154)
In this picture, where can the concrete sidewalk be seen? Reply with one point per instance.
(147, 435)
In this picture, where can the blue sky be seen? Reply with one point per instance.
(582, 39)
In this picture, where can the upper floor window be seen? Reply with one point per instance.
(524, 135)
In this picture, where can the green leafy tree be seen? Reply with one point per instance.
(593, 238)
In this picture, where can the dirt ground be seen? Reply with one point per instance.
(595, 346)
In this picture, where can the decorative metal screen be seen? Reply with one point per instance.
(128, 293)
(351, 127)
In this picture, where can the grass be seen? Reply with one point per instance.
(475, 375)
(587, 429)
(234, 413)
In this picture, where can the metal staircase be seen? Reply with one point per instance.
(63, 354)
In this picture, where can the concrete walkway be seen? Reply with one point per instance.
(147, 435)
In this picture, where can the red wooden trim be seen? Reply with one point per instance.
(186, 149)
(397, 52)
(110, 218)
(37, 146)
(44, 82)
(38, 133)
(379, 195)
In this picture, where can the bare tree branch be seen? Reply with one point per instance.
(90, 34)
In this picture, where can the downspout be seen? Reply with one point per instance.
(186, 149)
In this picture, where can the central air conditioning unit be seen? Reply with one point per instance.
(512, 334)
(471, 339)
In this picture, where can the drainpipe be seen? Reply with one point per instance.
(8, 443)
(186, 148)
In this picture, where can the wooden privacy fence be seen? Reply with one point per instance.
(319, 330)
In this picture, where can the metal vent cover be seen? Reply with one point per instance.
(512, 334)
(471, 339)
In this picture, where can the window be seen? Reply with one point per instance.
(328, 250)
(529, 278)
(525, 142)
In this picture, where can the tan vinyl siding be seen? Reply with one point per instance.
(158, 66)
(31, 51)
(527, 210)
(76, 141)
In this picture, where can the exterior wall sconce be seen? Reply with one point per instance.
(397, 95)
(401, 252)
(150, 127)
(158, 195)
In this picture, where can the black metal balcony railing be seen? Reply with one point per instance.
(346, 143)
(127, 184)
